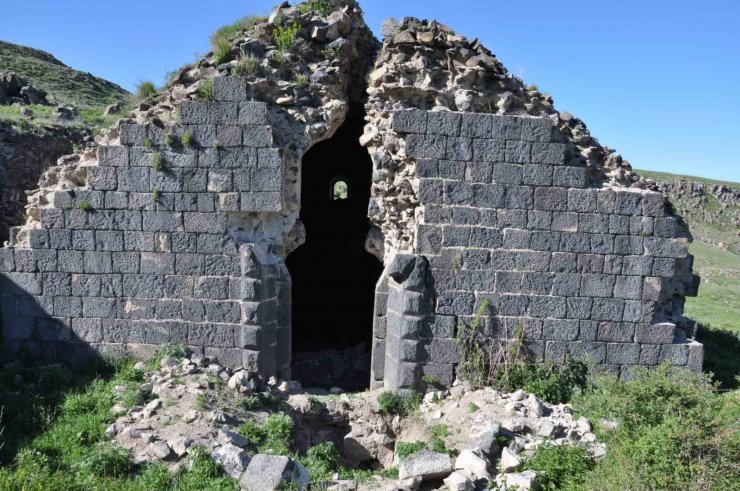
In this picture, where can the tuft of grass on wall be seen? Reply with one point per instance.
(145, 89)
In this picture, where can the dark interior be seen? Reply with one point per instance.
(333, 277)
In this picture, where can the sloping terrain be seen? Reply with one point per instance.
(712, 209)
(65, 85)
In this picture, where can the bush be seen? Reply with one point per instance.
(404, 449)
(205, 89)
(437, 435)
(285, 37)
(275, 436)
(675, 431)
(145, 89)
(222, 51)
(246, 66)
(554, 383)
(396, 404)
(105, 460)
(322, 461)
(318, 7)
(560, 466)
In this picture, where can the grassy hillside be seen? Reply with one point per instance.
(711, 222)
(63, 84)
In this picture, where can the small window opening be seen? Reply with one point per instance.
(339, 190)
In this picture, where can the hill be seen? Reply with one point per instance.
(65, 85)
(712, 209)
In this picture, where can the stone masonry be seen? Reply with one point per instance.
(585, 272)
(178, 229)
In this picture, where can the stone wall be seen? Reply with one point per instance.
(24, 155)
(584, 271)
(142, 254)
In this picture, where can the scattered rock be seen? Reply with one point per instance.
(425, 464)
(459, 481)
(521, 481)
(270, 472)
(159, 449)
(509, 460)
(472, 464)
(233, 459)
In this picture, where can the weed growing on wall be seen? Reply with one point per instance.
(285, 37)
(145, 90)
(205, 89)
(246, 66)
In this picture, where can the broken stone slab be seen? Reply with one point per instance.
(427, 465)
(180, 445)
(226, 436)
(472, 464)
(269, 472)
(233, 459)
(459, 481)
(521, 481)
(509, 461)
(482, 437)
(159, 449)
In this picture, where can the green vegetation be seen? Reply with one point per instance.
(473, 407)
(404, 449)
(83, 205)
(300, 80)
(157, 162)
(397, 404)
(148, 143)
(681, 435)
(187, 139)
(205, 89)
(318, 7)
(171, 140)
(43, 115)
(322, 461)
(145, 89)
(63, 84)
(560, 466)
(437, 435)
(275, 436)
(487, 361)
(285, 37)
(222, 51)
(246, 66)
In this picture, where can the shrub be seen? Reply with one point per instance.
(275, 436)
(437, 435)
(322, 461)
(246, 66)
(300, 80)
(404, 449)
(560, 466)
(187, 139)
(171, 140)
(553, 383)
(318, 7)
(285, 37)
(148, 143)
(83, 205)
(145, 89)
(396, 404)
(675, 431)
(205, 89)
(105, 460)
(222, 51)
(157, 163)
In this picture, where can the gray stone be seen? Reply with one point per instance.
(270, 472)
(425, 465)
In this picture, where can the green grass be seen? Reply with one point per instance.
(681, 435)
(397, 404)
(88, 116)
(285, 37)
(205, 89)
(63, 84)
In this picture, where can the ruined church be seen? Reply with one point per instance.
(326, 207)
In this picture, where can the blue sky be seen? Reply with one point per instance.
(657, 80)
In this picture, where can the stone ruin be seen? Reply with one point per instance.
(334, 215)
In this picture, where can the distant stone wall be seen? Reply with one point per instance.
(583, 270)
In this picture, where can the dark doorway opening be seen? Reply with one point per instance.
(333, 277)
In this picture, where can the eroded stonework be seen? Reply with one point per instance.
(177, 228)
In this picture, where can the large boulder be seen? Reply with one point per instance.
(426, 465)
(270, 472)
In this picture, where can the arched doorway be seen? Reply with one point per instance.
(333, 277)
